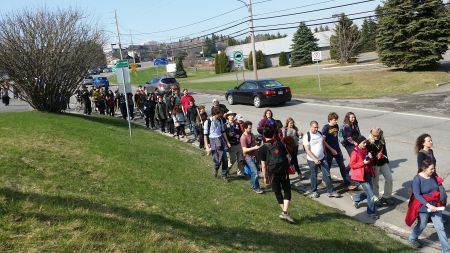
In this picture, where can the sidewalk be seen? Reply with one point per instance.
(391, 217)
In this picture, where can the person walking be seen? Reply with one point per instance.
(185, 100)
(179, 121)
(377, 147)
(291, 130)
(349, 131)
(86, 101)
(315, 156)
(249, 148)
(428, 195)
(109, 99)
(267, 120)
(330, 133)
(149, 106)
(362, 174)
(234, 134)
(424, 150)
(191, 116)
(217, 142)
(202, 116)
(161, 113)
(275, 163)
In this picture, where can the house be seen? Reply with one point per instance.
(272, 48)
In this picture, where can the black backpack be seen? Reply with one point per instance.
(277, 161)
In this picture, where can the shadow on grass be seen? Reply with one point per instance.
(107, 120)
(234, 238)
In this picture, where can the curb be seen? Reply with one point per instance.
(441, 84)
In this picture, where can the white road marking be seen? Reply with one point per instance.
(377, 110)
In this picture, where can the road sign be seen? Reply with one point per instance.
(238, 64)
(171, 68)
(316, 55)
(238, 56)
(122, 64)
(160, 61)
(133, 67)
(114, 69)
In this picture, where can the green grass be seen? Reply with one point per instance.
(77, 184)
(144, 75)
(350, 85)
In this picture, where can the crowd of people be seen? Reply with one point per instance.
(272, 152)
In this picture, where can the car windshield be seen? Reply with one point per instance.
(102, 78)
(271, 83)
(169, 80)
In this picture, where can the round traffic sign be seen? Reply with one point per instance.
(238, 56)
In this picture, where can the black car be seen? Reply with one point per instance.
(259, 92)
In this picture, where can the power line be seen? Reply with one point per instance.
(293, 8)
(321, 9)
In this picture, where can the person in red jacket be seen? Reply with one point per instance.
(185, 99)
(362, 174)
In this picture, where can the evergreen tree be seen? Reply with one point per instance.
(224, 64)
(248, 62)
(210, 46)
(282, 59)
(316, 30)
(304, 43)
(326, 28)
(347, 40)
(180, 72)
(412, 34)
(321, 29)
(260, 60)
(368, 33)
(216, 64)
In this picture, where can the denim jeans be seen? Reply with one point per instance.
(436, 218)
(323, 166)
(340, 161)
(193, 128)
(367, 194)
(254, 174)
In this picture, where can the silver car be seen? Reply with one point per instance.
(162, 84)
(88, 80)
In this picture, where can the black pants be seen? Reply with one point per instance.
(294, 161)
(150, 119)
(279, 182)
(162, 123)
(87, 107)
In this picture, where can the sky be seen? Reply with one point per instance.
(173, 20)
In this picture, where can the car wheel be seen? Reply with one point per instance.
(230, 99)
(257, 102)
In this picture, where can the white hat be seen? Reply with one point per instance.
(239, 117)
(215, 100)
(229, 113)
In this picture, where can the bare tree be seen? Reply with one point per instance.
(47, 54)
(346, 43)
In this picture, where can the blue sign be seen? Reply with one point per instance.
(160, 61)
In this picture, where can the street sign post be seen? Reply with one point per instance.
(123, 77)
(238, 59)
(317, 56)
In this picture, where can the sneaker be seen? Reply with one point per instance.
(225, 179)
(415, 244)
(334, 195)
(286, 217)
(315, 195)
(374, 216)
(355, 204)
(259, 191)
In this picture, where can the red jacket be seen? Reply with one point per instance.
(185, 102)
(414, 205)
(357, 165)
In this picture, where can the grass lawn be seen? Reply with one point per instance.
(74, 183)
(144, 75)
(350, 85)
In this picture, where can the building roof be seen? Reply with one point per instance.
(269, 47)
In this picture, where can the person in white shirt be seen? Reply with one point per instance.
(314, 146)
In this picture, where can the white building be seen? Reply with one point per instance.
(272, 48)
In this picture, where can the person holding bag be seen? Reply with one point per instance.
(427, 202)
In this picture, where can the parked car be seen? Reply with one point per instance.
(163, 84)
(101, 81)
(88, 80)
(107, 70)
(259, 92)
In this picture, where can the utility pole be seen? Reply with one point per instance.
(132, 48)
(252, 37)
(171, 48)
(123, 74)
